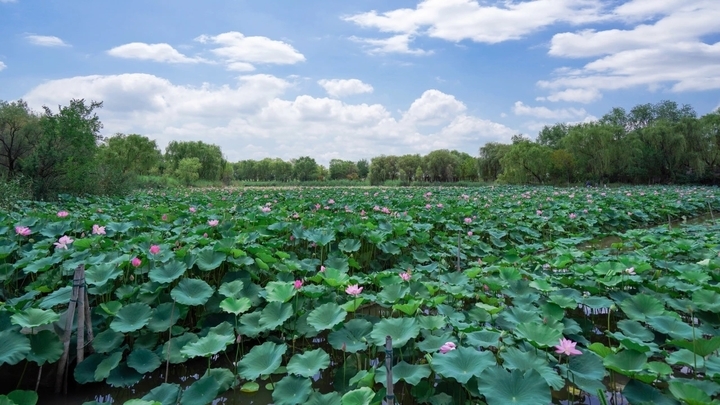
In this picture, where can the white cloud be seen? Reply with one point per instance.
(8, 1)
(395, 44)
(46, 40)
(584, 96)
(339, 88)
(240, 51)
(154, 52)
(457, 20)
(252, 120)
(2, 66)
(546, 113)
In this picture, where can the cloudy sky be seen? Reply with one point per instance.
(355, 79)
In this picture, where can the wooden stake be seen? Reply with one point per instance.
(80, 277)
(62, 365)
(390, 396)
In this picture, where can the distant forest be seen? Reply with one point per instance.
(43, 154)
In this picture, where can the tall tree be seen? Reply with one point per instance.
(19, 131)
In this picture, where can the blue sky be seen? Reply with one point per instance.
(356, 79)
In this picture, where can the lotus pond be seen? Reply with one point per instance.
(492, 295)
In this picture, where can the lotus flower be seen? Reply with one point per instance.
(298, 284)
(154, 249)
(567, 347)
(322, 269)
(468, 220)
(63, 242)
(136, 262)
(192, 209)
(164, 217)
(265, 209)
(354, 290)
(98, 230)
(22, 230)
(447, 347)
(62, 214)
(630, 271)
(213, 222)
(572, 215)
(405, 276)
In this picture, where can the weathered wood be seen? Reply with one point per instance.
(63, 363)
(79, 283)
(390, 396)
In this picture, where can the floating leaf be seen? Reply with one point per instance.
(166, 394)
(107, 365)
(201, 392)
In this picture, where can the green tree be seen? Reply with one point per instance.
(490, 156)
(19, 130)
(363, 168)
(305, 168)
(188, 170)
(210, 157)
(525, 162)
(132, 153)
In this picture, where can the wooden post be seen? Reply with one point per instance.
(79, 283)
(78, 303)
(390, 396)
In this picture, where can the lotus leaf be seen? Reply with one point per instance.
(260, 360)
(462, 363)
(191, 291)
(292, 390)
(326, 316)
(34, 317)
(131, 317)
(309, 363)
(13, 347)
(401, 330)
(502, 387)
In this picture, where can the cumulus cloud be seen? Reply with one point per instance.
(2, 66)
(46, 40)
(240, 52)
(251, 119)
(154, 52)
(395, 44)
(339, 88)
(457, 20)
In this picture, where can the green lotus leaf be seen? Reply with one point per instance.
(686, 358)
(309, 363)
(223, 376)
(538, 334)
(208, 259)
(625, 362)
(168, 272)
(85, 371)
(111, 307)
(353, 335)
(278, 291)
(250, 324)
(410, 308)
(410, 373)
(349, 245)
(360, 396)
(131, 317)
(45, 347)
(401, 330)
(201, 392)
(107, 341)
(636, 330)
(334, 277)
(587, 371)
(260, 360)
(23, 397)
(516, 359)
(326, 316)
(123, 376)
(642, 306)
(233, 289)
(143, 360)
(57, 297)
(701, 347)
(462, 363)
(235, 306)
(100, 274)
(689, 394)
(672, 326)
(250, 387)
(175, 345)
(706, 300)
(393, 293)
(34, 317)
(166, 394)
(659, 368)
(107, 365)
(501, 387)
(431, 322)
(483, 338)
(275, 314)
(141, 402)
(164, 316)
(433, 342)
(42, 265)
(639, 393)
(316, 398)
(13, 347)
(207, 346)
(191, 291)
(292, 390)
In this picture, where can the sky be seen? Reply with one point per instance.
(356, 79)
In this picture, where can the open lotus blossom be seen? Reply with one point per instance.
(135, 262)
(62, 214)
(354, 290)
(572, 215)
(468, 220)
(265, 209)
(470, 233)
(405, 276)
(193, 209)
(63, 242)
(447, 347)
(213, 222)
(298, 284)
(154, 249)
(98, 230)
(567, 347)
(630, 271)
(22, 230)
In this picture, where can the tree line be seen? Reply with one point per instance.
(62, 151)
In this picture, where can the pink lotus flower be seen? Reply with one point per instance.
(298, 284)
(213, 222)
(63, 242)
(405, 276)
(22, 230)
(538, 212)
(567, 347)
(265, 209)
(322, 269)
(331, 201)
(354, 290)
(98, 230)
(470, 233)
(154, 249)
(468, 220)
(205, 235)
(62, 214)
(572, 215)
(136, 262)
(447, 347)
(192, 209)
(164, 217)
